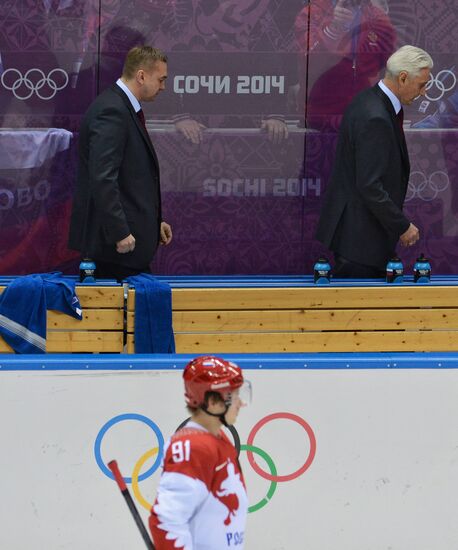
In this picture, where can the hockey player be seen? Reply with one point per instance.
(201, 501)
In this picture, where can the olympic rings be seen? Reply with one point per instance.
(309, 459)
(116, 420)
(427, 189)
(438, 81)
(273, 471)
(37, 86)
(250, 449)
(253, 508)
(135, 478)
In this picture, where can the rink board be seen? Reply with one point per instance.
(365, 447)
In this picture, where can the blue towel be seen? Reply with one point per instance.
(23, 307)
(153, 315)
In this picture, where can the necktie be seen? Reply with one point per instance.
(141, 116)
(400, 117)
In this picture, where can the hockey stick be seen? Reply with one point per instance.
(113, 465)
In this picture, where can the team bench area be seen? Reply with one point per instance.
(291, 314)
(268, 315)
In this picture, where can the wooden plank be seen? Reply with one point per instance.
(131, 299)
(306, 320)
(314, 298)
(130, 325)
(81, 342)
(4, 347)
(93, 319)
(100, 296)
(95, 341)
(130, 344)
(317, 342)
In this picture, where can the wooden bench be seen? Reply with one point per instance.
(102, 327)
(311, 319)
(270, 320)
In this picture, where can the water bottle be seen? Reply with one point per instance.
(87, 271)
(322, 272)
(394, 271)
(422, 270)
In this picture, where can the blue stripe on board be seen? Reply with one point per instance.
(291, 281)
(268, 281)
(287, 361)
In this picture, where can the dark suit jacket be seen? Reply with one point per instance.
(361, 218)
(118, 190)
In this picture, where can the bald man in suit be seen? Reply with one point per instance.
(362, 217)
(116, 218)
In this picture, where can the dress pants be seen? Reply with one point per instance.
(346, 269)
(107, 270)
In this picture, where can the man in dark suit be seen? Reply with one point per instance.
(362, 220)
(116, 217)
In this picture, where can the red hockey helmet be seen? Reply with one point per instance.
(209, 373)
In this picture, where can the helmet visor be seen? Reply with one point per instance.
(245, 393)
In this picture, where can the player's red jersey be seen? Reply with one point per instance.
(201, 502)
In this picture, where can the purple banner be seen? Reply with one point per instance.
(264, 81)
